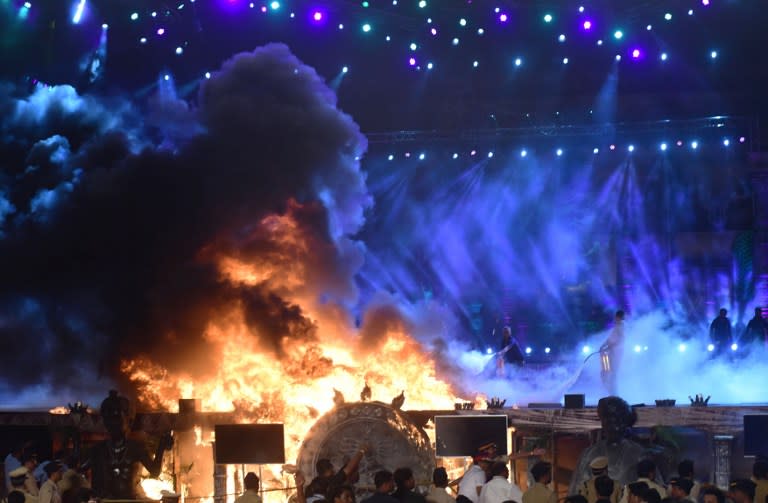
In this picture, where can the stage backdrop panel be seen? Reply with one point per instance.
(249, 444)
(460, 436)
(756, 435)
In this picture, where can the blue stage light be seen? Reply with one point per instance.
(618, 34)
(631, 148)
(547, 350)
(390, 157)
(682, 348)
(586, 349)
(207, 75)
(344, 69)
(710, 347)
(595, 150)
(455, 155)
(638, 349)
(78, 14)
(734, 347)
(422, 156)
(726, 142)
(528, 350)
(694, 144)
(663, 147)
(489, 351)
(134, 16)
(518, 61)
(523, 153)
(559, 152)
(366, 27)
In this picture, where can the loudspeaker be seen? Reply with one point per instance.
(249, 444)
(574, 401)
(460, 436)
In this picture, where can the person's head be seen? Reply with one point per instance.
(723, 312)
(604, 487)
(251, 481)
(341, 494)
(646, 469)
(16, 497)
(440, 477)
(404, 479)
(760, 470)
(620, 315)
(116, 414)
(680, 488)
(575, 498)
(54, 470)
(18, 476)
(599, 466)
(384, 481)
(29, 460)
(742, 491)
(651, 496)
(499, 469)
(616, 416)
(712, 494)
(319, 486)
(685, 469)
(542, 472)
(324, 467)
(636, 491)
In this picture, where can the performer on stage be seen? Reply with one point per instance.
(610, 353)
(510, 352)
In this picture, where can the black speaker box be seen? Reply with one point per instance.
(574, 401)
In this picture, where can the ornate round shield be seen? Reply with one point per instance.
(393, 441)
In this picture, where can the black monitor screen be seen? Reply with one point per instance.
(756, 435)
(460, 436)
(253, 444)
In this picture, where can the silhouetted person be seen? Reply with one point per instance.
(439, 494)
(680, 489)
(756, 330)
(685, 471)
(610, 353)
(405, 487)
(604, 487)
(385, 484)
(539, 492)
(742, 491)
(720, 331)
(251, 493)
(712, 494)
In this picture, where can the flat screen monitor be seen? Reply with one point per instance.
(756, 435)
(249, 444)
(460, 436)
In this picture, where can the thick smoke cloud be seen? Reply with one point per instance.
(112, 230)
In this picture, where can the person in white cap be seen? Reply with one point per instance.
(18, 477)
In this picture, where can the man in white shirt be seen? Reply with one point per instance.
(438, 494)
(646, 472)
(251, 494)
(12, 462)
(474, 479)
(499, 489)
(49, 492)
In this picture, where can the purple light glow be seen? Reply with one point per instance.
(263, 8)
(742, 139)
(705, 2)
(636, 53)
(587, 25)
(161, 31)
(503, 18)
(412, 61)
(433, 31)
(317, 16)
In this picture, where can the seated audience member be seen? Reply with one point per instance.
(438, 493)
(742, 491)
(385, 484)
(406, 484)
(499, 489)
(604, 487)
(539, 492)
(680, 489)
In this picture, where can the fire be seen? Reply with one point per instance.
(293, 384)
(60, 410)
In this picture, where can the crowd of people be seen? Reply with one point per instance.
(487, 480)
(52, 481)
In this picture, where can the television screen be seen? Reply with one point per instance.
(249, 444)
(460, 436)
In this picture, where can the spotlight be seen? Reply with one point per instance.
(473, 152)
(581, 8)
(503, 18)
(317, 16)
(134, 16)
(27, 5)
(704, 2)
(480, 31)
(366, 28)
(422, 156)
(166, 77)
(77, 16)
(612, 147)
(344, 69)
(528, 350)
(407, 155)
(179, 51)
(412, 61)
(586, 349)
(430, 66)
(618, 57)
(413, 46)
(631, 148)
(207, 75)
(161, 31)
(587, 25)
(710, 347)
(341, 26)
(742, 139)
(668, 16)
(638, 349)
(422, 4)
(663, 147)
(475, 64)
(618, 34)
(595, 150)
(663, 56)
(726, 142)
(455, 41)
(547, 350)
(490, 154)
(547, 18)
(649, 27)
(713, 54)
(600, 42)
(559, 152)
(561, 38)
(154, 14)
(734, 347)
(433, 31)
(143, 40)
(462, 22)
(390, 157)
(565, 61)
(682, 348)
(636, 53)
(489, 351)
(387, 38)
(455, 155)
(690, 12)
(523, 153)
(694, 144)
(679, 143)
(274, 5)
(518, 61)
